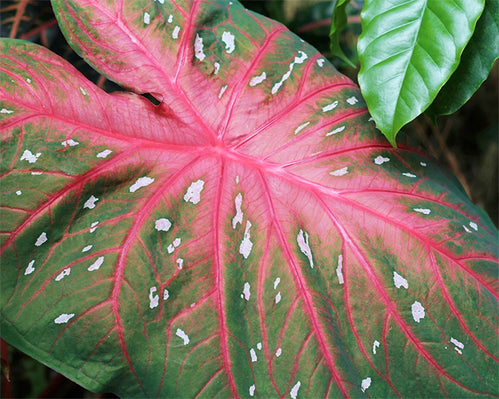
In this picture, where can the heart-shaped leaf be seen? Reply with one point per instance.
(407, 51)
(252, 235)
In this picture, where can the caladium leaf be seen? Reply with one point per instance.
(407, 51)
(253, 235)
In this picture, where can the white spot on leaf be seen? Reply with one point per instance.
(294, 390)
(153, 298)
(180, 263)
(339, 270)
(193, 193)
(166, 294)
(36, 173)
(320, 62)
(238, 218)
(256, 80)
(339, 172)
(147, 18)
(330, 107)
(104, 154)
(29, 156)
(97, 264)
(407, 174)
(459, 346)
(228, 39)
(170, 19)
(302, 240)
(259, 346)
(246, 244)
(375, 346)
(30, 269)
(175, 32)
(301, 127)
(474, 226)
(93, 226)
(162, 224)
(252, 390)
(90, 203)
(64, 273)
(198, 48)
(380, 160)
(418, 311)
(366, 383)
(6, 111)
(253, 355)
(278, 352)
(334, 131)
(141, 182)
(222, 91)
(299, 59)
(19, 192)
(352, 100)
(70, 142)
(246, 291)
(399, 281)
(278, 297)
(216, 65)
(276, 282)
(42, 238)
(181, 334)
(83, 91)
(87, 248)
(424, 211)
(466, 229)
(63, 318)
(422, 163)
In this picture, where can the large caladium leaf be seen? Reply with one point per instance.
(252, 235)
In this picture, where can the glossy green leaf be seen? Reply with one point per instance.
(407, 51)
(476, 62)
(338, 23)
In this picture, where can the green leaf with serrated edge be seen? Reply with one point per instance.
(476, 62)
(338, 23)
(251, 236)
(407, 51)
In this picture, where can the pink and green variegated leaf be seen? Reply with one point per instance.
(251, 236)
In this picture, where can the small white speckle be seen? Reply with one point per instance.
(366, 383)
(193, 193)
(238, 218)
(422, 163)
(259, 346)
(352, 100)
(104, 154)
(276, 282)
(141, 182)
(253, 355)
(180, 263)
(183, 335)
(153, 298)
(147, 18)
(409, 174)
(303, 244)
(256, 80)
(246, 244)
(278, 297)
(175, 32)
(161, 1)
(36, 173)
(162, 224)
(90, 203)
(380, 160)
(28, 80)
(334, 131)
(29, 156)
(70, 142)
(301, 127)
(424, 211)
(19, 192)
(30, 269)
(97, 264)
(222, 91)
(87, 248)
(170, 249)
(64, 273)
(320, 62)
(252, 390)
(466, 229)
(6, 111)
(294, 390)
(237, 179)
(418, 312)
(339, 270)
(459, 346)
(198, 48)
(166, 294)
(375, 346)
(93, 226)
(278, 352)
(399, 281)
(299, 59)
(63, 318)
(246, 291)
(42, 238)
(170, 19)
(176, 242)
(339, 172)
(216, 67)
(83, 91)
(474, 226)
(228, 39)
(330, 107)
